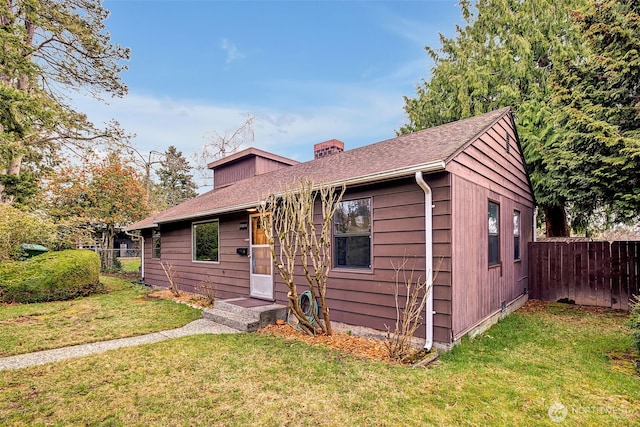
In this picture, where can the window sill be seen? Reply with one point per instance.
(340, 270)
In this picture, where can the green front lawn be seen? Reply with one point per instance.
(130, 265)
(123, 312)
(510, 376)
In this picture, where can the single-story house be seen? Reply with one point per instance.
(455, 199)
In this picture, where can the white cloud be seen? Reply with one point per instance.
(160, 122)
(357, 114)
(233, 53)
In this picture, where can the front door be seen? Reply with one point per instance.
(261, 275)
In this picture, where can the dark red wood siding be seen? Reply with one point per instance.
(229, 173)
(244, 168)
(230, 275)
(489, 169)
(366, 297)
(363, 298)
(264, 165)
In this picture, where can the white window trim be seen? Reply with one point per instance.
(351, 269)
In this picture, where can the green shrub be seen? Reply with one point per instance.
(117, 267)
(54, 276)
(634, 322)
(17, 227)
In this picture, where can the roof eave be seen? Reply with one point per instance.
(143, 227)
(251, 151)
(211, 212)
(435, 166)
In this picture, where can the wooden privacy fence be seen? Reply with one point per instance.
(605, 274)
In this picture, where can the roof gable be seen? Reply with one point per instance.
(256, 152)
(497, 147)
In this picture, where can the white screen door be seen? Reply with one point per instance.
(261, 275)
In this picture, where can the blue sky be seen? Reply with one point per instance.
(307, 70)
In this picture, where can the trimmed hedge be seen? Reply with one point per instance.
(54, 276)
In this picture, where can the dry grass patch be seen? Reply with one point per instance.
(193, 300)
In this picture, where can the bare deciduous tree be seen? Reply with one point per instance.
(289, 218)
(220, 145)
(146, 161)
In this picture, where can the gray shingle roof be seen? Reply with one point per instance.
(426, 150)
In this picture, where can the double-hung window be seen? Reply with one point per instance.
(352, 234)
(516, 235)
(494, 233)
(205, 241)
(155, 244)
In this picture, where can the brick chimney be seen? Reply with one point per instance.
(327, 148)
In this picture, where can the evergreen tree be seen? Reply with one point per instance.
(597, 100)
(504, 56)
(48, 48)
(176, 181)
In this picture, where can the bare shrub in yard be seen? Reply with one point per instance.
(208, 289)
(409, 308)
(172, 275)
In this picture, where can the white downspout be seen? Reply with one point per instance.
(428, 237)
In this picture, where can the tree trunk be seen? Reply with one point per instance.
(294, 306)
(13, 168)
(106, 248)
(556, 221)
(15, 165)
(325, 315)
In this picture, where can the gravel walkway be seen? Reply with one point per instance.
(200, 326)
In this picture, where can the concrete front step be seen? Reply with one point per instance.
(244, 319)
(232, 320)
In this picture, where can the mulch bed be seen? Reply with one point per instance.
(359, 347)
